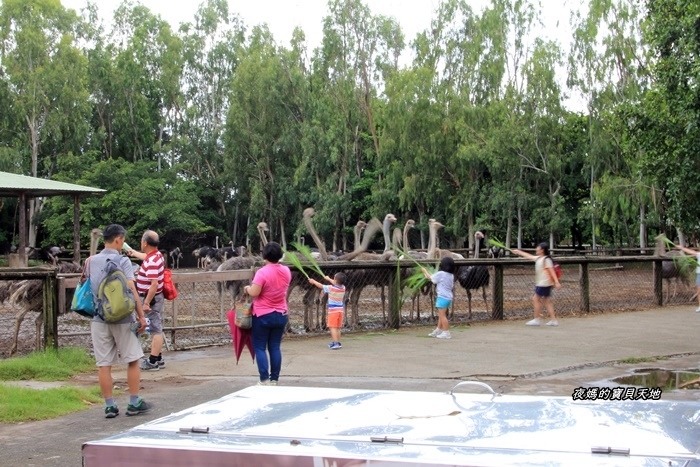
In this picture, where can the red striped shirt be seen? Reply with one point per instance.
(152, 267)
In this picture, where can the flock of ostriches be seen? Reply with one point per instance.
(27, 294)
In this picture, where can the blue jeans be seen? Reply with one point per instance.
(267, 337)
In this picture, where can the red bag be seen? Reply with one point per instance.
(169, 290)
(558, 270)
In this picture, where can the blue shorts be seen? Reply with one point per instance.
(543, 292)
(442, 302)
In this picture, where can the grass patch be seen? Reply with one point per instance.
(49, 365)
(24, 404)
(19, 404)
(639, 359)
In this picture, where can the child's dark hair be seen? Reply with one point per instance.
(272, 252)
(448, 265)
(545, 248)
(340, 278)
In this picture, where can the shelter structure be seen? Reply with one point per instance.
(24, 187)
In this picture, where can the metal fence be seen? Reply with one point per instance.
(376, 298)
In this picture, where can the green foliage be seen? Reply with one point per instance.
(212, 128)
(49, 365)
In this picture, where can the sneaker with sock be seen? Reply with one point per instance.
(160, 363)
(331, 344)
(147, 365)
(111, 411)
(435, 332)
(533, 322)
(140, 407)
(553, 322)
(336, 346)
(444, 335)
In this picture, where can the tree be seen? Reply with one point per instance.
(44, 74)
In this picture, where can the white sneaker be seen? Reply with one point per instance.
(553, 322)
(533, 322)
(697, 310)
(444, 335)
(435, 332)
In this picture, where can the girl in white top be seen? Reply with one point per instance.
(444, 281)
(695, 253)
(545, 278)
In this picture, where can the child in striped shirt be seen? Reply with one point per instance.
(336, 305)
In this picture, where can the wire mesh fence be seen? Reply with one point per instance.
(373, 299)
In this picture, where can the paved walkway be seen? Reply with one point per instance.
(512, 357)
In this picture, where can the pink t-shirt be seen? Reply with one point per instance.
(273, 279)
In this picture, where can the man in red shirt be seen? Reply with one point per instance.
(149, 284)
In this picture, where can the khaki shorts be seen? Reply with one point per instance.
(114, 343)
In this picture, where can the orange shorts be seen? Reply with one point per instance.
(335, 319)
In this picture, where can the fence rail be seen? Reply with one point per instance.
(375, 298)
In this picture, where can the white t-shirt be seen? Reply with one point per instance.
(542, 277)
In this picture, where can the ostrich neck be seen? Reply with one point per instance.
(312, 231)
(356, 232)
(406, 246)
(263, 237)
(431, 240)
(386, 228)
(476, 247)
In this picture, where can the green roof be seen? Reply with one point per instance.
(14, 185)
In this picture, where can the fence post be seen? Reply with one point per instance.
(50, 312)
(585, 285)
(394, 298)
(497, 292)
(658, 283)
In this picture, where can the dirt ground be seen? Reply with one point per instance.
(200, 310)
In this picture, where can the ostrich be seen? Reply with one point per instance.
(175, 257)
(52, 254)
(242, 261)
(433, 251)
(28, 294)
(475, 276)
(205, 255)
(357, 278)
(670, 270)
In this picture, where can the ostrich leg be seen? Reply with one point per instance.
(469, 302)
(486, 303)
(18, 322)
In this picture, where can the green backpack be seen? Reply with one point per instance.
(115, 300)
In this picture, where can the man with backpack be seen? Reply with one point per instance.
(149, 284)
(112, 282)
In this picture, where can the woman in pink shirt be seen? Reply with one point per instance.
(269, 292)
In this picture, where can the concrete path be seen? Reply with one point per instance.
(511, 357)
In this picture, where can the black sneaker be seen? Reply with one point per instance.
(140, 407)
(111, 411)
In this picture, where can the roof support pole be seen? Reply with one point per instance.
(22, 249)
(76, 229)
